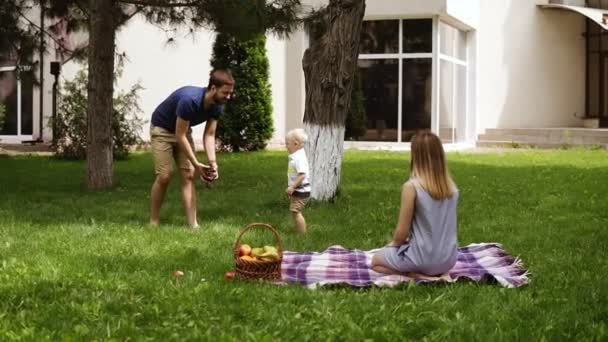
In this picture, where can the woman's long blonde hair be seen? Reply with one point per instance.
(428, 166)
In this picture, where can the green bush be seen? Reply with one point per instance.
(71, 121)
(356, 119)
(247, 121)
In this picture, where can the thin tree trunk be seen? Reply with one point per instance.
(329, 67)
(100, 91)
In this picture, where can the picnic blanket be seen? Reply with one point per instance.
(482, 262)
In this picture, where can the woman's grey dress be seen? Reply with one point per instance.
(432, 248)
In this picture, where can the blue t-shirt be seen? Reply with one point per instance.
(185, 102)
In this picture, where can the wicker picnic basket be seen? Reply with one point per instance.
(258, 269)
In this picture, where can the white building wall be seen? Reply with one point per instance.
(531, 66)
(466, 11)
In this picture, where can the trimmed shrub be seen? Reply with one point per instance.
(71, 120)
(247, 121)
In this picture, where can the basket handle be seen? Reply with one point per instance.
(237, 243)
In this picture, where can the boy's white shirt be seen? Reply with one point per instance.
(298, 163)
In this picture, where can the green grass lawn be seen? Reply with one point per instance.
(84, 266)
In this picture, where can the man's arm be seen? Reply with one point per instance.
(181, 131)
(209, 143)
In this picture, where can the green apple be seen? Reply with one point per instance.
(256, 252)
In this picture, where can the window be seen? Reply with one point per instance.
(453, 42)
(16, 95)
(453, 84)
(417, 35)
(395, 65)
(379, 79)
(396, 70)
(416, 96)
(379, 36)
(597, 69)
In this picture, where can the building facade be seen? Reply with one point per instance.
(456, 67)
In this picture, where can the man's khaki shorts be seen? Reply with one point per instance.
(297, 203)
(165, 151)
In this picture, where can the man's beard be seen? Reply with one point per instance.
(219, 100)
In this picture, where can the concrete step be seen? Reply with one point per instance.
(519, 144)
(544, 137)
(552, 132)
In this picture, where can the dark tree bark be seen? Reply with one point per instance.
(102, 31)
(329, 67)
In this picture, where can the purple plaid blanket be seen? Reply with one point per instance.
(337, 265)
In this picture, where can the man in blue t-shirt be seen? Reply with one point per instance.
(171, 139)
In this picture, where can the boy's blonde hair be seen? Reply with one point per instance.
(429, 167)
(298, 135)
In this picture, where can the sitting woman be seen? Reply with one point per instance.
(424, 241)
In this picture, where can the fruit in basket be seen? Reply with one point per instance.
(258, 251)
(271, 249)
(247, 258)
(270, 256)
(244, 250)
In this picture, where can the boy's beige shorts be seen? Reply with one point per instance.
(297, 204)
(165, 151)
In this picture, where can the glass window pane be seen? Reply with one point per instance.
(417, 35)
(461, 45)
(593, 85)
(380, 85)
(27, 99)
(594, 38)
(460, 106)
(605, 95)
(7, 59)
(453, 42)
(379, 36)
(446, 101)
(416, 96)
(603, 4)
(8, 98)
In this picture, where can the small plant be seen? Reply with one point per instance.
(567, 137)
(513, 144)
(71, 120)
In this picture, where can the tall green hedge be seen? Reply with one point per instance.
(247, 121)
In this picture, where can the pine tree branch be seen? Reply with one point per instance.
(45, 32)
(73, 53)
(159, 3)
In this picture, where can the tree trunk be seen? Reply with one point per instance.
(100, 91)
(329, 67)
